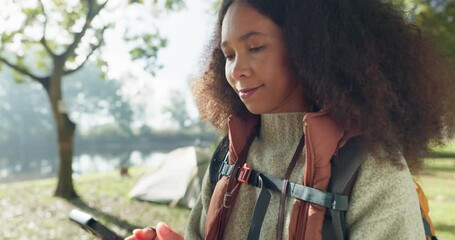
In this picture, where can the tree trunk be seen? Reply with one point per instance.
(65, 133)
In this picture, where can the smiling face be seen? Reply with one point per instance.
(257, 62)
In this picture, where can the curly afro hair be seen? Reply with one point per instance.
(363, 61)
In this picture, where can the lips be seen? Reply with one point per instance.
(247, 92)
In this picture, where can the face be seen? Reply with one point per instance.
(257, 62)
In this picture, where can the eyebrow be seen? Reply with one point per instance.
(245, 37)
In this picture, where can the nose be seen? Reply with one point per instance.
(240, 68)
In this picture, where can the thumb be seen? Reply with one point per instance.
(166, 233)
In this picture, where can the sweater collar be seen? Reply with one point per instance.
(277, 128)
(240, 128)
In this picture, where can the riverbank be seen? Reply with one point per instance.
(28, 210)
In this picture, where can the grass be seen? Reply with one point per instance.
(28, 210)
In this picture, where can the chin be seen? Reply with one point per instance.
(256, 111)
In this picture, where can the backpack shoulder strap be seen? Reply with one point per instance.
(344, 172)
(217, 159)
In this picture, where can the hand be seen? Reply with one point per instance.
(163, 232)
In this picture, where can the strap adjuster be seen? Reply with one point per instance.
(245, 173)
(227, 200)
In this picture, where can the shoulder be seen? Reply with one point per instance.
(384, 203)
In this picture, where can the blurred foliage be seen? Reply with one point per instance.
(177, 109)
(146, 47)
(90, 96)
(436, 18)
(27, 123)
(22, 117)
(169, 4)
(50, 28)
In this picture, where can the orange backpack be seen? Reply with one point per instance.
(425, 209)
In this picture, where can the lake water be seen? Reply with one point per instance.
(14, 170)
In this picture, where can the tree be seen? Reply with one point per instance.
(88, 96)
(69, 33)
(22, 115)
(177, 109)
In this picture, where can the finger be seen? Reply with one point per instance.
(149, 233)
(143, 234)
(131, 238)
(166, 233)
(138, 234)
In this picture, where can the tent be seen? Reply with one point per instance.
(177, 180)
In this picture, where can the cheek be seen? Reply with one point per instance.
(282, 67)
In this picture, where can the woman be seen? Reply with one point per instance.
(357, 64)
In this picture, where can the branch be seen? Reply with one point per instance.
(94, 48)
(45, 82)
(93, 10)
(43, 40)
(21, 70)
(48, 50)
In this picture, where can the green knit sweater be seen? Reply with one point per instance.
(383, 205)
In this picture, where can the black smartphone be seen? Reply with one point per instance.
(87, 222)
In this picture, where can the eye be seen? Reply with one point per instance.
(256, 49)
(229, 57)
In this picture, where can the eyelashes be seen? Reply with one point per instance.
(252, 50)
(229, 57)
(256, 49)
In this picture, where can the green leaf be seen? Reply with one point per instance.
(436, 18)
(137, 53)
(41, 65)
(19, 78)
